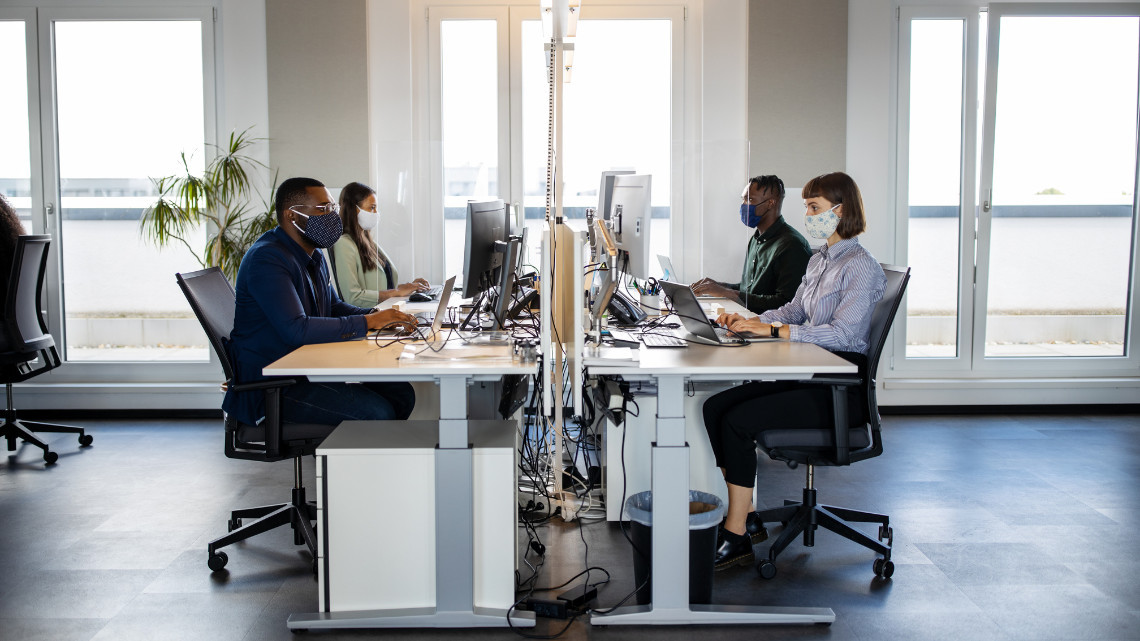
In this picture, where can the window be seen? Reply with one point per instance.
(1019, 213)
(492, 86)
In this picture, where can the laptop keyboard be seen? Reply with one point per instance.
(662, 340)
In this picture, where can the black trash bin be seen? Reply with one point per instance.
(705, 513)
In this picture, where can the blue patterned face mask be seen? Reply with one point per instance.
(748, 215)
(823, 224)
(322, 231)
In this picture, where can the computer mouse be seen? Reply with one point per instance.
(419, 297)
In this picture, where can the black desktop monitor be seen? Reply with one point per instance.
(487, 223)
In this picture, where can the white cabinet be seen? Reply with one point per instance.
(376, 515)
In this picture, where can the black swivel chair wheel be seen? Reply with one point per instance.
(766, 569)
(50, 457)
(887, 532)
(883, 568)
(86, 440)
(217, 561)
(233, 524)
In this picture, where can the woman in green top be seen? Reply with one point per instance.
(365, 275)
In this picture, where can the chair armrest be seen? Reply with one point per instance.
(273, 383)
(846, 380)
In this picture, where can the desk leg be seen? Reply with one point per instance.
(669, 573)
(454, 541)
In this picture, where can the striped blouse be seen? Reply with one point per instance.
(833, 304)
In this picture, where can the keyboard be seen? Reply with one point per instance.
(434, 291)
(662, 340)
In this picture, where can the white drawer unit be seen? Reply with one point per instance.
(377, 519)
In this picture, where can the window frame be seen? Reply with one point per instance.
(510, 102)
(974, 244)
(163, 373)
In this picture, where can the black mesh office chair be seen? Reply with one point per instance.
(836, 445)
(213, 301)
(26, 347)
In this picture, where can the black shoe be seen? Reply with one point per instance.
(756, 528)
(733, 549)
(753, 525)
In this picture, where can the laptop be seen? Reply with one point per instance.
(441, 309)
(698, 325)
(427, 319)
(667, 268)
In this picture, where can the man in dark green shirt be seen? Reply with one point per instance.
(777, 254)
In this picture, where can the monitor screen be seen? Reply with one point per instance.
(487, 223)
(629, 219)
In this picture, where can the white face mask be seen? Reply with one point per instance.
(367, 219)
(823, 224)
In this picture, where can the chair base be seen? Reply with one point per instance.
(297, 514)
(806, 516)
(13, 428)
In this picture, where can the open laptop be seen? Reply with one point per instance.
(441, 309)
(698, 325)
(667, 271)
(427, 319)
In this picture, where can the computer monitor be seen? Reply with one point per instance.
(629, 220)
(487, 223)
(606, 192)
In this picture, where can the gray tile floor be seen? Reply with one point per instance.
(1006, 528)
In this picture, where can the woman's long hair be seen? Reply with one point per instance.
(350, 198)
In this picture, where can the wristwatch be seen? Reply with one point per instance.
(776, 325)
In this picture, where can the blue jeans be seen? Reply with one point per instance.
(331, 403)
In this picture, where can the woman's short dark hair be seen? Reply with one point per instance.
(350, 198)
(839, 189)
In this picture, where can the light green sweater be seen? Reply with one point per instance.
(359, 287)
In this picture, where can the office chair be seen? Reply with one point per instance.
(836, 445)
(213, 301)
(26, 347)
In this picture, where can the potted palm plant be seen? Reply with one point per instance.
(218, 198)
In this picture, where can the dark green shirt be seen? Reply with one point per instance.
(773, 268)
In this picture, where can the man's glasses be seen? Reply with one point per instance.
(327, 208)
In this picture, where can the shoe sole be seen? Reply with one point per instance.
(743, 559)
(759, 537)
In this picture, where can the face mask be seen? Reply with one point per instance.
(748, 215)
(823, 224)
(322, 231)
(367, 219)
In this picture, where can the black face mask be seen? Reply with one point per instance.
(322, 231)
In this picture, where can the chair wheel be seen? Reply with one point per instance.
(85, 440)
(50, 457)
(217, 561)
(233, 524)
(887, 532)
(884, 568)
(767, 569)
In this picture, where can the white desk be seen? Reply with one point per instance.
(452, 369)
(671, 368)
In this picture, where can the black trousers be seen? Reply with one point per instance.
(734, 417)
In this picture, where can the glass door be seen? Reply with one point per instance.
(1017, 173)
(488, 83)
(1059, 202)
(130, 95)
(15, 125)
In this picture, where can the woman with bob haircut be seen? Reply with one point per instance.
(365, 275)
(832, 308)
